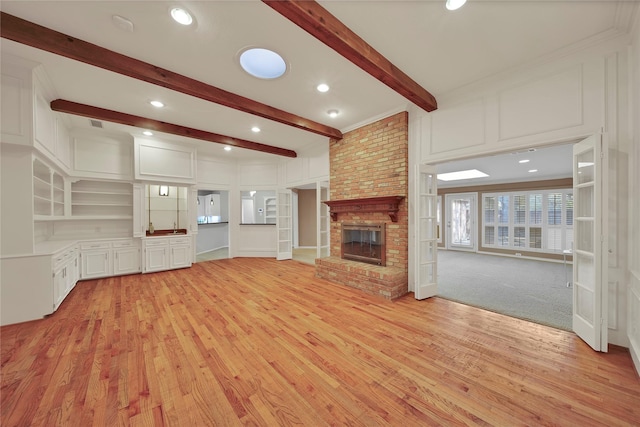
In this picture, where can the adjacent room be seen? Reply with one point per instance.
(506, 235)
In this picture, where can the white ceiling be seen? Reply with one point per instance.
(549, 163)
(441, 50)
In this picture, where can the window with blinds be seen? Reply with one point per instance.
(539, 221)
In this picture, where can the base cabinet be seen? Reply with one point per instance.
(126, 259)
(34, 286)
(166, 253)
(65, 274)
(110, 258)
(95, 263)
(156, 255)
(180, 252)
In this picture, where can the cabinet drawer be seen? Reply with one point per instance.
(124, 244)
(180, 241)
(62, 257)
(95, 245)
(156, 242)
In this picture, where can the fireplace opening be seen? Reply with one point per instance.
(364, 243)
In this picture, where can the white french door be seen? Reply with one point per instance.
(284, 224)
(426, 241)
(324, 221)
(461, 215)
(589, 256)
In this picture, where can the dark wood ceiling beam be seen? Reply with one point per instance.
(321, 24)
(31, 34)
(92, 112)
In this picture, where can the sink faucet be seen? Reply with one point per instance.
(175, 230)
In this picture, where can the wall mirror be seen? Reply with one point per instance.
(167, 207)
(258, 207)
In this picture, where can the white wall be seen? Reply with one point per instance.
(563, 100)
(211, 237)
(634, 199)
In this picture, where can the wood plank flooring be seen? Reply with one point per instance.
(260, 342)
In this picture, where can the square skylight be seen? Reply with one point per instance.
(455, 176)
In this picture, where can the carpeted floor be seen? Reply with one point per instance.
(523, 288)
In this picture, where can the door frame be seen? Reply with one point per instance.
(474, 221)
(414, 202)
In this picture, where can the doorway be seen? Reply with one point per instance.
(212, 240)
(461, 221)
(311, 222)
(502, 216)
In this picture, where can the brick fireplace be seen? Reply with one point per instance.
(370, 164)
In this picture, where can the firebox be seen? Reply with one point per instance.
(364, 243)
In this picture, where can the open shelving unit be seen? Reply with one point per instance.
(101, 200)
(48, 192)
(270, 210)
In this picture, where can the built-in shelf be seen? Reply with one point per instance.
(386, 204)
(270, 210)
(101, 200)
(48, 192)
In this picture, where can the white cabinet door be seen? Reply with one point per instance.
(126, 260)
(156, 258)
(180, 256)
(73, 272)
(95, 263)
(59, 287)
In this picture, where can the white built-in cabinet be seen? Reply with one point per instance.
(126, 257)
(156, 160)
(34, 286)
(166, 253)
(107, 258)
(156, 254)
(66, 272)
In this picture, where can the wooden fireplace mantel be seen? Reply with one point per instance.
(387, 204)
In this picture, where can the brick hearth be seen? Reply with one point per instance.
(386, 282)
(371, 161)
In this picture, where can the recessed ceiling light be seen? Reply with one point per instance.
(262, 63)
(455, 4)
(468, 174)
(523, 161)
(157, 104)
(147, 132)
(227, 148)
(181, 16)
(333, 113)
(323, 87)
(533, 170)
(255, 129)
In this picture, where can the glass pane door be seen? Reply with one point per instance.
(426, 242)
(284, 225)
(461, 212)
(589, 270)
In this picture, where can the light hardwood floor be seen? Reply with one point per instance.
(262, 342)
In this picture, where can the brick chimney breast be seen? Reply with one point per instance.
(371, 161)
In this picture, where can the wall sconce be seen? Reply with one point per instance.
(211, 202)
(163, 190)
